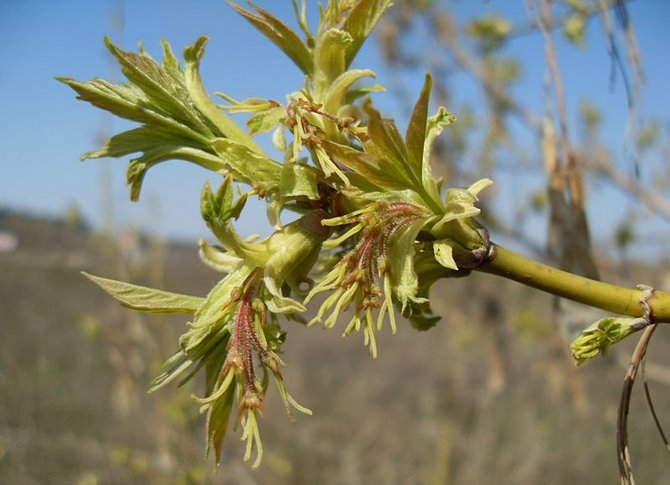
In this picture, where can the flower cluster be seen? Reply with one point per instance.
(360, 193)
(364, 275)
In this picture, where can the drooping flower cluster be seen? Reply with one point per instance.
(363, 275)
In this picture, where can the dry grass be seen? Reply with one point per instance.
(488, 396)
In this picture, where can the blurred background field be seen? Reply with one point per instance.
(488, 396)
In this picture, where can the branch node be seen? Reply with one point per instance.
(647, 294)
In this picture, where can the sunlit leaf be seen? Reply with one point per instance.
(248, 165)
(147, 299)
(137, 168)
(362, 18)
(280, 35)
(223, 125)
(416, 128)
(329, 60)
(339, 89)
(444, 253)
(298, 180)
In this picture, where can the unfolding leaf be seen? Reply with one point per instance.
(138, 167)
(129, 102)
(224, 126)
(248, 165)
(601, 335)
(133, 141)
(444, 253)
(354, 94)
(460, 204)
(434, 126)
(416, 128)
(401, 258)
(265, 120)
(362, 18)
(329, 60)
(368, 166)
(338, 90)
(218, 259)
(217, 210)
(217, 423)
(166, 90)
(147, 299)
(280, 35)
(298, 180)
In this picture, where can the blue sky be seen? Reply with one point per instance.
(43, 129)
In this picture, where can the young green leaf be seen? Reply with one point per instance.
(248, 166)
(166, 91)
(298, 180)
(401, 258)
(217, 258)
(338, 90)
(384, 141)
(147, 299)
(221, 122)
(135, 140)
(280, 35)
(265, 120)
(416, 128)
(362, 18)
(372, 168)
(444, 253)
(601, 335)
(434, 126)
(137, 168)
(329, 60)
(129, 102)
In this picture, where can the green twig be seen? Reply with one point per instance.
(611, 298)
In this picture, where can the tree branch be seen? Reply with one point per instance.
(611, 298)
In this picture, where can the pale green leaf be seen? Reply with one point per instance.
(362, 18)
(401, 258)
(478, 186)
(416, 128)
(248, 165)
(265, 120)
(171, 63)
(218, 259)
(147, 299)
(128, 101)
(217, 209)
(368, 167)
(217, 423)
(444, 253)
(385, 143)
(298, 180)
(354, 94)
(137, 168)
(280, 35)
(166, 90)
(434, 127)
(601, 335)
(329, 60)
(338, 90)
(223, 124)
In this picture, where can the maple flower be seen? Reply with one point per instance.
(363, 276)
